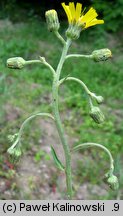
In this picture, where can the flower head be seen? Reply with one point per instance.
(15, 152)
(99, 99)
(101, 55)
(97, 115)
(76, 15)
(113, 182)
(16, 63)
(52, 20)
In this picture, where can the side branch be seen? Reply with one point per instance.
(80, 146)
(79, 81)
(78, 56)
(15, 150)
(19, 63)
(60, 37)
(42, 61)
(30, 118)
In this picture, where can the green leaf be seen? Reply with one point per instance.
(58, 163)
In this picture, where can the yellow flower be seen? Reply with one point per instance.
(76, 15)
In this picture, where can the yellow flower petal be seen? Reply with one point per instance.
(67, 11)
(94, 22)
(78, 11)
(72, 10)
(90, 15)
(77, 17)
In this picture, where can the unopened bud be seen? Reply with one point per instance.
(107, 175)
(16, 63)
(52, 20)
(99, 99)
(97, 115)
(101, 55)
(11, 138)
(42, 59)
(113, 182)
(15, 153)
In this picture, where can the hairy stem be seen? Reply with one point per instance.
(30, 118)
(88, 92)
(63, 56)
(60, 37)
(59, 123)
(80, 146)
(42, 61)
(78, 81)
(78, 56)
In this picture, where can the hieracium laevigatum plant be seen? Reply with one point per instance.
(78, 22)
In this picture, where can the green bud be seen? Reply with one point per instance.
(16, 63)
(74, 30)
(52, 20)
(101, 55)
(113, 182)
(42, 59)
(99, 99)
(11, 138)
(107, 175)
(15, 153)
(97, 115)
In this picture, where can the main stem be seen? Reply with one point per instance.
(59, 123)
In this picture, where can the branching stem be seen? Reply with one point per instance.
(59, 123)
(42, 62)
(78, 81)
(30, 118)
(60, 37)
(80, 146)
(78, 56)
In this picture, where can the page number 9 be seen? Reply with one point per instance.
(116, 207)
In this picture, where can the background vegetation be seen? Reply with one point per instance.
(112, 11)
(23, 33)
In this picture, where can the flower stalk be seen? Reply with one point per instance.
(81, 146)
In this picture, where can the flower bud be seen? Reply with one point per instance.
(16, 63)
(74, 30)
(113, 182)
(11, 138)
(52, 20)
(15, 153)
(99, 99)
(97, 115)
(101, 55)
(107, 175)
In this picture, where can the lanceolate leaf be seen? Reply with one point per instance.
(56, 160)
